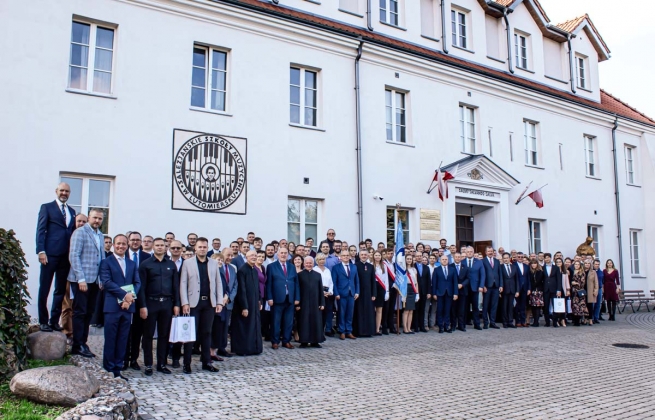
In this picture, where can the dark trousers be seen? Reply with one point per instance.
(160, 315)
(220, 329)
(548, 303)
(391, 312)
(204, 318)
(384, 322)
(133, 342)
(57, 267)
(444, 304)
(265, 318)
(176, 351)
(98, 317)
(519, 309)
(282, 320)
(419, 314)
(473, 299)
(346, 310)
(117, 328)
(508, 308)
(460, 310)
(83, 306)
(490, 306)
(328, 314)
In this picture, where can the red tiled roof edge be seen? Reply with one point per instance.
(608, 104)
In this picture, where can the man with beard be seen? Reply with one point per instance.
(332, 255)
(270, 255)
(246, 327)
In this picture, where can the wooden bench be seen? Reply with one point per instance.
(631, 297)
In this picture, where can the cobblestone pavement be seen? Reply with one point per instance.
(541, 373)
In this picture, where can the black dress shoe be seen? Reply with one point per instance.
(378, 333)
(134, 365)
(45, 328)
(462, 329)
(440, 330)
(118, 375)
(88, 349)
(303, 345)
(82, 352)
(148, 371)
(56, 327)
(224, 354)
(424, 330)
(494, 326)
(555, 325)
(186, 369)
(385, 332)
(600, 318)
(505, 326)
(548, 324)
(329, 334)
(316, 346)
(449, 330)
(511, 326)
(486, 327)
(209, 368)
(175, 364)
(477, 327)
(164, 369)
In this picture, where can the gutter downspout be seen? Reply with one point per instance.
(369, 19)
(443, 29)
(568, 42)
(510, 65)
(358, 123)
(616, 197)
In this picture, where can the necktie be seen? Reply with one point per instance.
(227, 276)
(63, 211)
(445, 271)
(121, 262)
(134, 258)
(470, 262)
(347, 271)
(491, 261)
(284, 268)
(457, 269)
(507, 267)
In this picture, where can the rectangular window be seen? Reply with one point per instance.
(303, 93)
(395, 110)
(209, 78)
(91, 58)
(590, 156)
(521, 50)
(594, 233)
(535, 236)
(458, 28)
(88, 193)
(389, 12)
(630, 177)
(531, 149)
(582, 78)
(302, 219)
(393, 215)
(635, 266)
(467, 128)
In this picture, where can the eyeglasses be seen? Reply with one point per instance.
(175, 248)
(330, 233)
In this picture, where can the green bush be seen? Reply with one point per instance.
(14, 320)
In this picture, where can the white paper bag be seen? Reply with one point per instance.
(568, 306)
(183, 329)
(559, 306)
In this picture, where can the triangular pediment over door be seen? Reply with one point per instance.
(481, 171)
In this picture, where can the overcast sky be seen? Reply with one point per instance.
(627, 28)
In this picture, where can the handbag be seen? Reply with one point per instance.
(183, 329)
(581, 293)
(537, 299)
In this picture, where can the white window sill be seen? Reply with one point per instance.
(430, 38)
(467, 153)
(638, 276)
(555, 79)
(534, 166)
(86, 92)
(633, 185)
(524, 69)
(463, 49)
(210, 111)
(496, 59)
(314, 1)
(585, 89)
(306, 127)
(593, 177)
(393, 26)
(397, 143)
(351, 13)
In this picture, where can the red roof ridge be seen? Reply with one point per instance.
(603, 91)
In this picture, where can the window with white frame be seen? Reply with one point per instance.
(630, 175)
(91, 58)
(535, 235)
(396, 115)
(635, 240)
(593, 232)
(393, 216)
(389, 12)
(531, 143)
(458, 28)
(302, 219)
(467, 128)
(303, 96)
(521, 50)
(581, 64)
(89, 192)
(590, 155)
(209, 78)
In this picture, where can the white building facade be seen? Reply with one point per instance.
(222, 117)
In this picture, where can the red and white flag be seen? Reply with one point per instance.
(442, 179)
(537, 198)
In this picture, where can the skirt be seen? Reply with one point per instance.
(537, 299)
(379, 295)
(410, 302)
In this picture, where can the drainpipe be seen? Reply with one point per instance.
(369, 24)
(571, 71)
(443, 29)
(616, 197)
(510, 65)
(358, 123)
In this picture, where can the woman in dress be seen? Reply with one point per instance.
(381, 291)
(566, 287)
(412, 294)
(536, 292)
(611, 288)
(578, 293)
(592, 289)
(298, 263)
(328, 292)
(261, 274)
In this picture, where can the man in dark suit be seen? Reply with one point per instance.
(282, 293)
(463, 284)
(346, 291)
(116, 273)
(133, 342)
(510, 290)
(424, 289)
(477, 281)
(444, 291)
(176, 248)
(221, 324)
(240, 259)
(522, 271)
(552, 288)
(54, 228)
(493, 288)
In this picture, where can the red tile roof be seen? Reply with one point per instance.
(573, 24)
(608, 103)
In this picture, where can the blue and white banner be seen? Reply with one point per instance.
(401, 270)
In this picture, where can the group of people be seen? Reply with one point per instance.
(133, 286)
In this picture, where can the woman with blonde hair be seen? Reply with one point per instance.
(592, 289)
(328, 292)
(566, 287)
(536, 292)
(381, 291)
(578, 293)
(412, 294)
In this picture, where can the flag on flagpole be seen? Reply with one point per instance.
(442, 179)
(518, 200)
(537, 197)
(400, 282)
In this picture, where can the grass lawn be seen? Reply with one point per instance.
(13, 408)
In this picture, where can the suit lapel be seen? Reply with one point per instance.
(92, 235)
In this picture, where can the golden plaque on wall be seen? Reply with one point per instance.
(430, 224)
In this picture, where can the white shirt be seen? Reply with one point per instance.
(346, 267)
(133, 258)
(326, 276)
(68, 212)
(267, 261)
(178, 263)
(121, 262)
(382, 274)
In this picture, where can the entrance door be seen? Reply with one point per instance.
(464, 231)
(481, 246)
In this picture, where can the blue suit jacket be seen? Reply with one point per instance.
(231, 289)
(345, 285)
(112, 278)
(277, 283)
(238, 261)
(493, 275)
(524, 280)
(441, 284)
(476, 273)
(52, 234)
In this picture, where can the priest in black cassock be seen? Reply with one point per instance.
(246, 325)
(364, 316)
(312, 302)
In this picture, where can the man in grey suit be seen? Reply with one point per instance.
(86, 253)
(201, 296)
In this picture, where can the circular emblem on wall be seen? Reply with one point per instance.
(209, 172)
